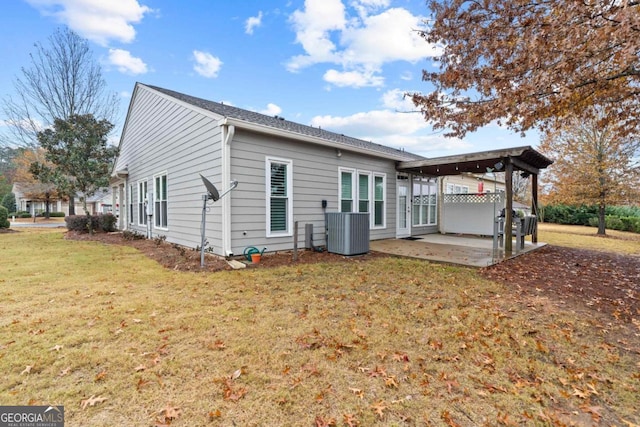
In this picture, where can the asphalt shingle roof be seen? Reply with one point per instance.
(282, 124)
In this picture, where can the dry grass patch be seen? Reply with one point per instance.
(120, 341)
(574, 236)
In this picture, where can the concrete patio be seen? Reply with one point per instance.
(465, 250)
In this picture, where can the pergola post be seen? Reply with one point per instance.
(508, 215)
(534, 205)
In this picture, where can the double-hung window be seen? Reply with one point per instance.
(424, 201)
(160, 208)
(379, 196)
(142, 196)
(279, 197)
(130, 204)
(347, 190)
(364, 192)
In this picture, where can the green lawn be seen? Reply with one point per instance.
(388, 342)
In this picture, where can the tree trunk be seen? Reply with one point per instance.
(72, 205)
(601, 220)
(86, 211)
(47, 205)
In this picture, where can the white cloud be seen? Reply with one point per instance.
(396, 100)
(360, 43)
(406, 76)
(96, 20)
(373, 124)
(313, 27)
(397, 124)
(366, 7)
(353, 78)
(253, 22)
(207, 65)
(126, 63)
(271, 110)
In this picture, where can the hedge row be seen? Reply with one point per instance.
(106, 223)
(20, 214)
(623, 218)
(624, 223)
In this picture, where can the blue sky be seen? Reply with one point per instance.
(343, 65)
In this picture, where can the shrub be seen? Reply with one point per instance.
(108, 222)
(614, 223)
(9, 202)
(4, 217)
(56, 214)
(22, 214)
(80, 223)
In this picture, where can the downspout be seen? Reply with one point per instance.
(227, 134)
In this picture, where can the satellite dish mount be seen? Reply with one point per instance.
(212, 194)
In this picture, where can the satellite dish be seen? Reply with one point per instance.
(211, 189)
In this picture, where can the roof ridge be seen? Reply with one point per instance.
(278, 122)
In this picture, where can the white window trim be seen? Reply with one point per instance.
(384, 200)
(355, 194)
(129, 207)
(354, 198)
(267, 184)
(369, 187)
(141, 198)
(155, 213)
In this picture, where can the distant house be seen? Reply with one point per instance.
(287, 173)
(32, 200)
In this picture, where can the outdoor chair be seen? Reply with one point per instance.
(520, 228)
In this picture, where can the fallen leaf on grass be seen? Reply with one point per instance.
(100, 376)
(379, 408)
(65, 371)
(594, 411)
(27, 370)
(350, 420)
(91, 401)
(358, 392)
(170, 413)
(56, 348)
(391, 382)
(236, 374)
(448, 419)
(214, 414)
(325, 422)
(140, 368)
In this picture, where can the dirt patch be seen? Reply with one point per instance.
(179, 258)
(603, 281)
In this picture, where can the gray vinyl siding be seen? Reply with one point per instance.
(315, 178)
(163, 136)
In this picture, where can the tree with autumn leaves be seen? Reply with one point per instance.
(528, 64)
(31, 186)
(592, 166)
(571, 69)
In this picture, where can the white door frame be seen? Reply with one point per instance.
(403, 206)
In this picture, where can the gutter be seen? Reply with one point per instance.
(227, 133)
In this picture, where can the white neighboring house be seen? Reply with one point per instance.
(288, 173)
(100, 202)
